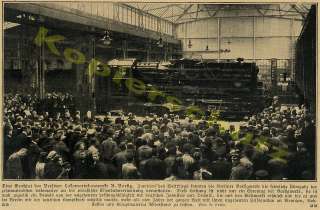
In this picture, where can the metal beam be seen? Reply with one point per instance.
(260, 12)
(306, 10)
(293, 13)
(286, 17)
(177, 15)
(238, 37)
(184, 12)
(142, 11)
(164, 12)
(298, 11)
(208, 10)
(216, 12)
(169, 5)
(144, 6)
(280, 9)
(197, 11)
(78, 17)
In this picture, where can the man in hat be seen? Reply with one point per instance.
(171, 157)
(308, 135)
(120, 158)
(80, 164)
(203, 173)
(14, 165)
(129, 169)
(277, 167)
(47, 141)
(96, 168)
(60, 147)
(21, 140)
(188, 160)
(7, 143)
(53, 167)
(207, 150)
(131, 119)
(145, 150)
(144, 153)
(39, 167)
(73, 135)
(92, 138)
(108, 149)
(242, 171)
(33, 155)
(221, 168)
(154, 168)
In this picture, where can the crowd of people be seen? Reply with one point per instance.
(46, 139)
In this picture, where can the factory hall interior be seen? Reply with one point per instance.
(159, 91)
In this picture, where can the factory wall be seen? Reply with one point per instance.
(246, 37)
(306, 60)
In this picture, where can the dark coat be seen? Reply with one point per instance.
(240, 172)
(32, 158)
(61, 148)
(52, 170)
(80, 169)
(47, 144)
(8, 148)
(20, 141)
(169, 161)
(221, 169)
(155, 169)
(14, 167)
(118, 160)
(108, 148)
(97, 170)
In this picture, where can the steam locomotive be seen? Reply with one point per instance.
(229, 88)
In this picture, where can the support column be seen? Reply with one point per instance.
(28, 57)
(292, 51)
(170, 51)
(124, 49)
(165, 51)
(254, 39)
(21, 55)
(87, 97)
(148, 47)
(41, 70)
(218, 39)
(92, 78)
(274, 73)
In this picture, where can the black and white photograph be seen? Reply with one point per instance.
(159, 91)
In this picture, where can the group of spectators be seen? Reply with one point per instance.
(44, 139)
